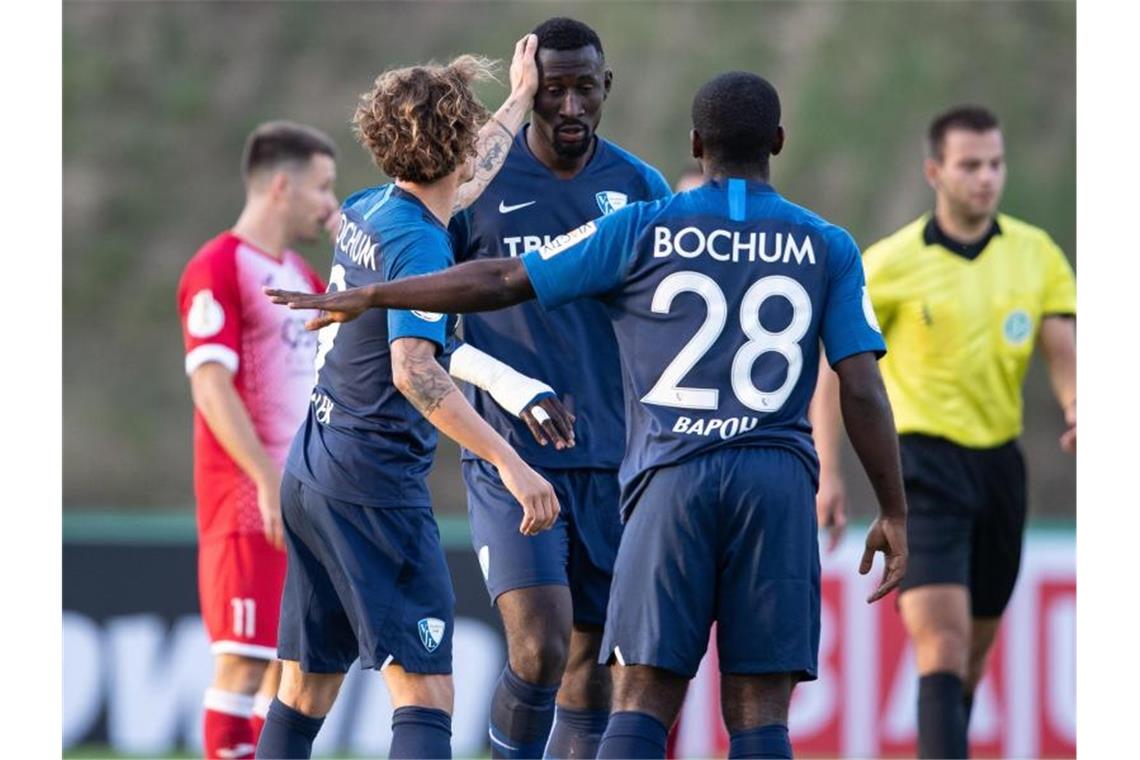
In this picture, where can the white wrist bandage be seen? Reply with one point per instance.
(511, 390)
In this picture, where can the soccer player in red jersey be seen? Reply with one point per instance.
(251, 370)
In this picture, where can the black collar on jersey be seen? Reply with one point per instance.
(932, 234)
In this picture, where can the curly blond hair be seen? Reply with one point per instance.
(419, 123)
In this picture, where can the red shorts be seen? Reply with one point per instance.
(240, 578)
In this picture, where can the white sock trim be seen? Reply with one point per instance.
(228, 703)
(261, 705)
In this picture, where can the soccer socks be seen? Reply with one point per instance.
(576, 733)
(257, 719)
(226, 729)
(420, 732)
(766, 741)
(633, 735)
(287, 733)
(941, 717)
(521, 714)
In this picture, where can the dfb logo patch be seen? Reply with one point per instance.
(610, 201)
(431, 633)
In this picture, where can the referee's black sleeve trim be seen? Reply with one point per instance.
(1065, 314)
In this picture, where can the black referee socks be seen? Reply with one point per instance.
(941, 717)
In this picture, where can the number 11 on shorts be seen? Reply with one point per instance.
(243, 616)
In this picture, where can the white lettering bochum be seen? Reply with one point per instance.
(733, 245)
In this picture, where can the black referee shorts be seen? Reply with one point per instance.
(965, 519)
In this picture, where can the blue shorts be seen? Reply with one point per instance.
(578, 552)
(727, 537)
(363, 582)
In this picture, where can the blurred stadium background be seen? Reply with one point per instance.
(158, 98)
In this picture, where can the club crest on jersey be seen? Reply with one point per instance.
(610, 201)
(431, 632)
(206, 316)
(1018, 327)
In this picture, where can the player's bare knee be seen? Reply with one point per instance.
(751, 701)
(311, 694)
(538, 657)
(646, 689)
(942, 650)
(239, 674)
(585, 685)
(419, 690)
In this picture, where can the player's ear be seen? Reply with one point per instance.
(278, 183)
(696, 146)
(607, 83)
(778, 141)
(930, 170)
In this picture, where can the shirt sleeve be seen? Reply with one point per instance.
(880, 288)
(209, 304)
(415, 254)
(1060, 283)
(587, 261)
(849, 325)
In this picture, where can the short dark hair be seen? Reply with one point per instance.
(561, 33)
(276, 142)
(968, 117)
(737, 115)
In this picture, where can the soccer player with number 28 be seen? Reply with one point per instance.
(719, 298)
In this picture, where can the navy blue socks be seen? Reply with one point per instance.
(633, 735)
(521, 714)
(420, 732)
(576, 733)
(766, 741)
(941, 717)
(287, 733)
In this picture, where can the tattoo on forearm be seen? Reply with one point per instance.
(429, 384)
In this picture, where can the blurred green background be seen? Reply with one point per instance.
(158, 98)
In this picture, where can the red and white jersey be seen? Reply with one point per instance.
(227, 319)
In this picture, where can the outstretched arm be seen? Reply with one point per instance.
(871, 428)
(484, 285)
(494, 140)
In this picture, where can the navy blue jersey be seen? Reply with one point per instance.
(719, 298)
(362, 441)
(571, 349)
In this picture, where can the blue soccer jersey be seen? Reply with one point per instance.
(719, 298)
(573, 348)
(362, 441)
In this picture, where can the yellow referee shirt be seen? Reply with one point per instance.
(960, 323)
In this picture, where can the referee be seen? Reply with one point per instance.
(962, 295)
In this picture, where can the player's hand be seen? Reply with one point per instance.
(549, 419)
(539, 503)
(334, 306)
(831, 508)
(269, 505)
(887, 535)
(524, 68)
(1069, 437)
